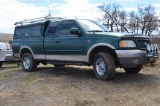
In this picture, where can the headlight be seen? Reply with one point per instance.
(127, 43)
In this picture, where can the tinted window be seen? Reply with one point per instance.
(52, 28)
(28, 31)
(66, 27)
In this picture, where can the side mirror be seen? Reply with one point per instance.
(75, 31)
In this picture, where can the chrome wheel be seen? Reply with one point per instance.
(26, 63)
(104, 66)
(100, 66)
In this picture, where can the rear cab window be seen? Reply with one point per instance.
(52, 29)
(28, 31)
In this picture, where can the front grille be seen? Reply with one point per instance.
(142, 43)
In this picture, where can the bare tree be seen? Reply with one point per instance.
(111, 15)
(144, 20)
(133, 22)
(123, 21)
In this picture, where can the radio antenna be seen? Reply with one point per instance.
(92, 11)
(49, 15)
(92, 14)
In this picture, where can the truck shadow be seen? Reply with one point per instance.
(88, 73)
(71, 72)
(122, 77)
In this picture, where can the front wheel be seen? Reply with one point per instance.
(133, 70)
(104, 66)
(28, 63)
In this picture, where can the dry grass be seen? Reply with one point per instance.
(77, 86)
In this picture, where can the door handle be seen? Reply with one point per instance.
(57, 41)
(87, 41)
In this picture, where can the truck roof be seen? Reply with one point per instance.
(30, 24)
(40, 20)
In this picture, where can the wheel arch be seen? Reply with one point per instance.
(102, 47)
(25, 49)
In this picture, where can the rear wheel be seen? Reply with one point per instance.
(133, 70)
(104, 66)
(28, 63)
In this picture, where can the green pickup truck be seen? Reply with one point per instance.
(80, 42)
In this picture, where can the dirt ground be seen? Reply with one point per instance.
(77, 86)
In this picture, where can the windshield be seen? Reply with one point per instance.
(91, 26)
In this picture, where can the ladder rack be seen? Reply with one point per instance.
(34, 20)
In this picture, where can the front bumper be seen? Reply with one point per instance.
(134, 58)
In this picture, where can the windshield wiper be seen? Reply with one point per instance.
(107, 31)
(95, 31)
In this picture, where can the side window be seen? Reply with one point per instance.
(34, 31)
(28, 31)
(66, 27)
(52, 29)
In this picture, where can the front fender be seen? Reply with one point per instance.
(97, 45)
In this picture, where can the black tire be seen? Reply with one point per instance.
(59, 65)
(133, 70)
(28, 63)
(1, 64)
(104, 66)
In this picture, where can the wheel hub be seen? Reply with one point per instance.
(26, 63)
(100, 66)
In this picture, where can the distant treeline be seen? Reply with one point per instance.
(6, 37)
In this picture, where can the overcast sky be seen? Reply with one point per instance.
(18, 10)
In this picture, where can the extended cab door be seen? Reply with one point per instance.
(63, 43)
